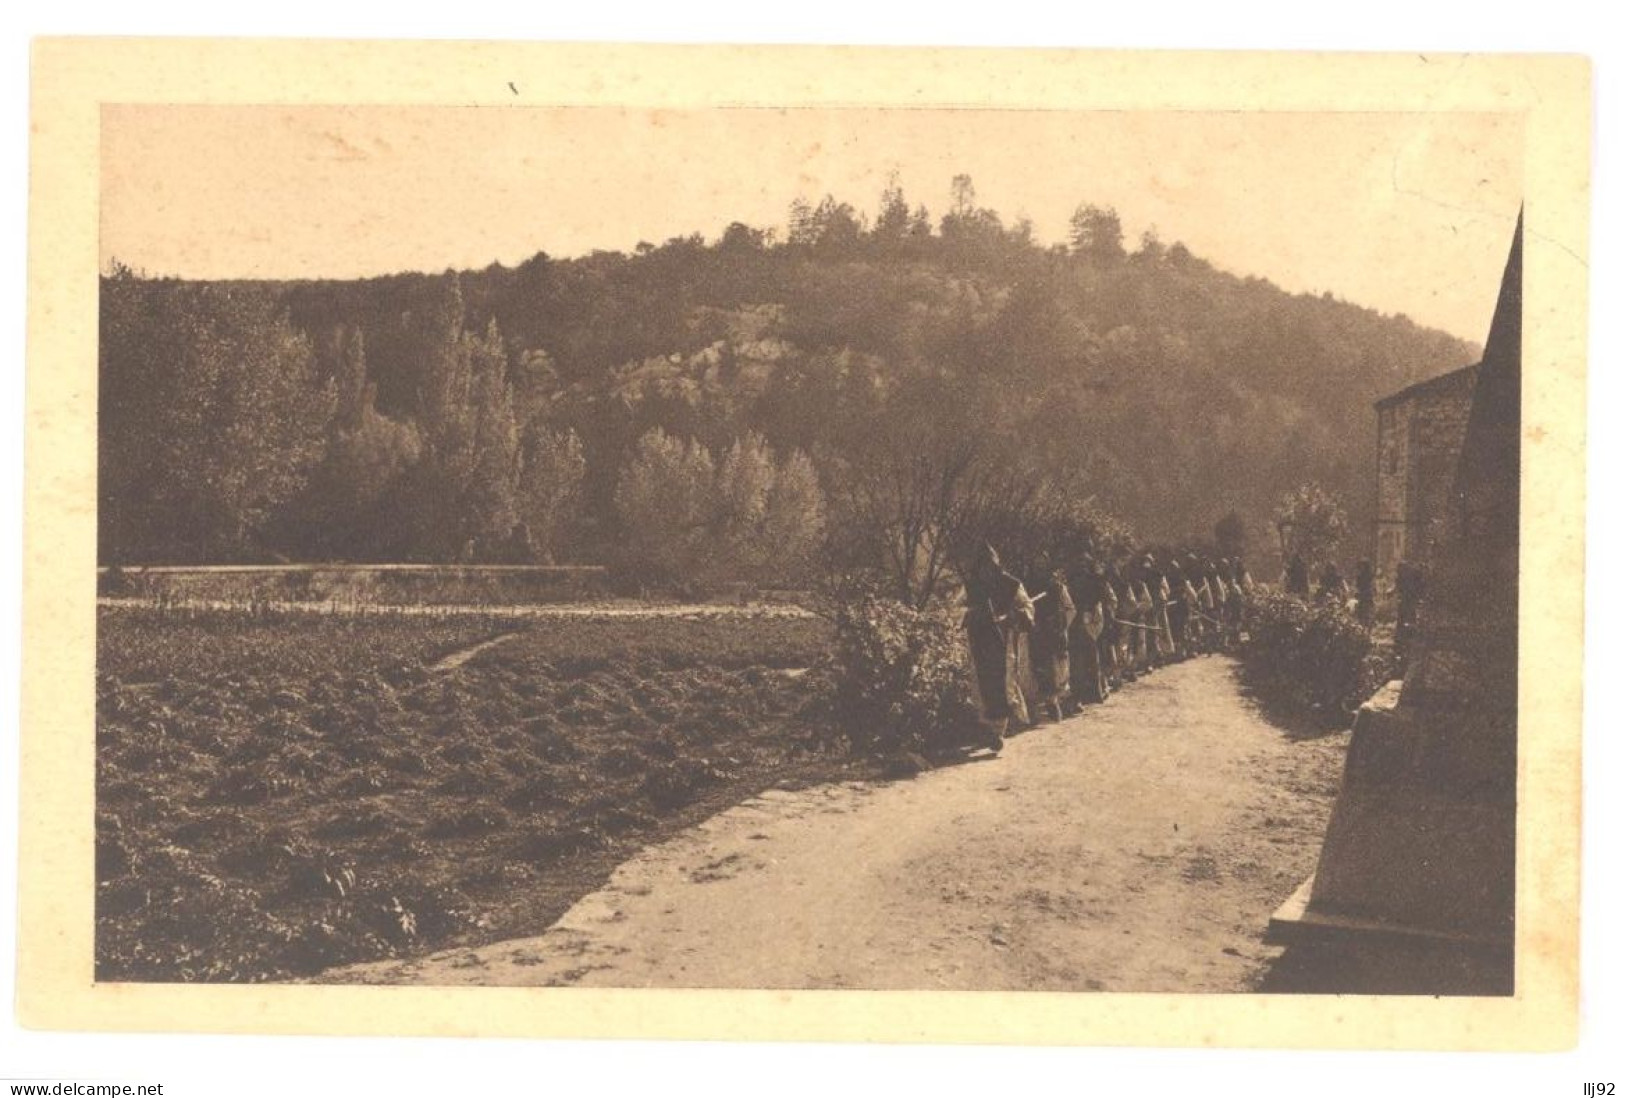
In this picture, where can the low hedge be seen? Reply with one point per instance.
(1313, 653)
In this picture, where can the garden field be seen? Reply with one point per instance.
(276, 796)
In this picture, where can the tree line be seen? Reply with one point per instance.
(869, 394)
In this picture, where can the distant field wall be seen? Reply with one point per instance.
(383, 584)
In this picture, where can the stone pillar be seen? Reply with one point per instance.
(1421, 840)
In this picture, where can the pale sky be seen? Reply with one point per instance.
(1407, 213)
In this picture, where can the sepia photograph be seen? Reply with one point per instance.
(859, 546)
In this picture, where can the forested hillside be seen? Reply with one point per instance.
(815, 394)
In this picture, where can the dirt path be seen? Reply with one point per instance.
(1140, 846)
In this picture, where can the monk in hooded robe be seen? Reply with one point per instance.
(1179, 608)
(1111, 629)
(1220, 611)
(1125, 612)
(1235, 606)
(1162, 634)
(1145, 649)
(998, 618)
(1244, 589)
(1051, 645)
(1202, 609)
(1089, 683)
(1145, 646)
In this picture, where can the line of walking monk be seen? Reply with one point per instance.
(1092, 628)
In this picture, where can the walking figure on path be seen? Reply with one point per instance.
(1180, 599)
(1089, 685)
(1220, 611)
(1051, 645)
(1111, 630)
(1202, 579)
(998, 618)
(1235, 618)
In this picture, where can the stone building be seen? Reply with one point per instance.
(1419, 436)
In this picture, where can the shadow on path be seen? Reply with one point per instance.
(1296, 719)
(1382, 968)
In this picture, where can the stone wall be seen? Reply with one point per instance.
(1419, 437)
(381, 584)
